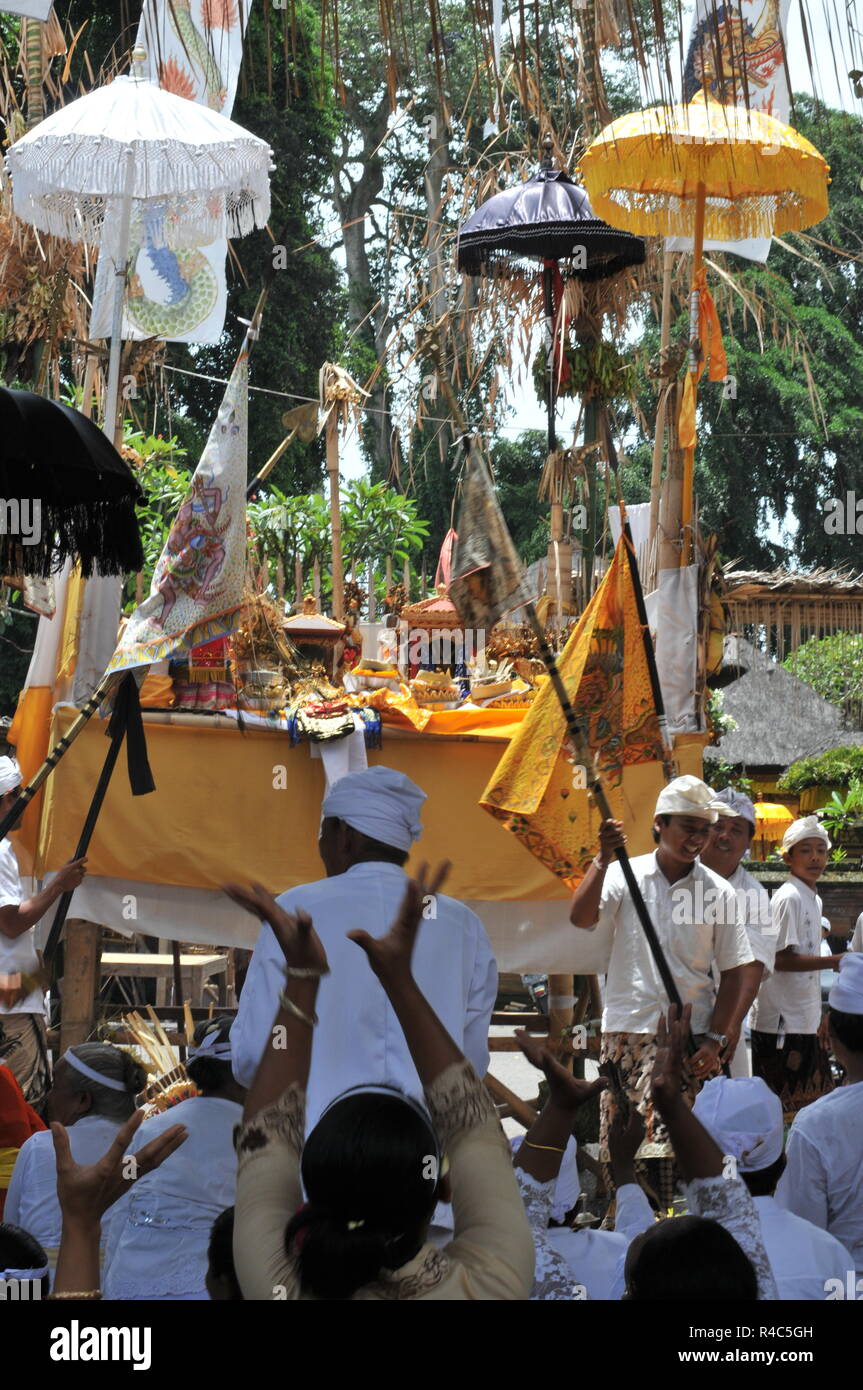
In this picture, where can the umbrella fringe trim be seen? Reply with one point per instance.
(101, 536)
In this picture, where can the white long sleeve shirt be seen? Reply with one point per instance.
(823, 1178)
(358, 1039)
(158, 1234)
(32, 1200)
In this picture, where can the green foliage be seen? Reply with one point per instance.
(165, 485)
(518, 465)
(17, 633)
(720, 722)
(843, 815)
(833, 666)
(837, 768)
(596, 370)
(721, 774)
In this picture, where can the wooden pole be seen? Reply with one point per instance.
(80, 982)
(561, 1002)
(659, 438)
(670, 500)
(688, 499)
(332, 433)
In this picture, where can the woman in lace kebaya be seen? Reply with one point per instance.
(371, 1167)
(159, 1232)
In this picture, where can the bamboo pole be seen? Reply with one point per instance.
(688, 501)
(332, 435)
(661, 411)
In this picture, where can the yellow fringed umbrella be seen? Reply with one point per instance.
(771, 822)
(704, 170)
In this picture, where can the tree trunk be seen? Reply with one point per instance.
(368, 311)
(316, 582)
(280, 579)
(372, 609)
(298, 580)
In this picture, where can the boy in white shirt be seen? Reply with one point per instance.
(789, 1047)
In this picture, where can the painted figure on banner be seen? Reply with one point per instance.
(731, 39)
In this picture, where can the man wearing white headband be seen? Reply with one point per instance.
(22, 1001)
(745, 1118)
(92, 1095)
(695, 915)
(789, 1045)
(730, 838)
(823, 1181)
(370, 821)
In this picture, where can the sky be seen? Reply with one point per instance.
(831, 85)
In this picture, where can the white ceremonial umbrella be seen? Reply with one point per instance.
(78, 173)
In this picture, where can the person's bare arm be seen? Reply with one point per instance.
(287, 1058)
(543, 1146)
(697, 1154)
(791, 961)
(586, 898)
(14, 921)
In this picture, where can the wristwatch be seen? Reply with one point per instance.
(721, 1038)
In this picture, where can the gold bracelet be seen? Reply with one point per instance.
(547, 1148)
(92, 1295)
(290, 1007)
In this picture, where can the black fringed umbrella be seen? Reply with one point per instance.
(65, 492)
(547, 218)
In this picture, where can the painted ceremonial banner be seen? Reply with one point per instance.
(197, 584)
(740, 45)
(537, 792)
(194, 49)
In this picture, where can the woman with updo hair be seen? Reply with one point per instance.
(159, 1233)
(92, 1094)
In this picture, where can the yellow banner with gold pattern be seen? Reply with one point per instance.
(537, 790)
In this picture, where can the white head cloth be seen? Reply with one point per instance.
(807, 828)
(846, 994)
(91, 1073)
(744, 1117)
(24, 1276)
(10, 775)
(738, 804)
(380, 803)
(213, 1045)
(689, 796)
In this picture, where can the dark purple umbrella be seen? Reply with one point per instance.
(66, 490)
(547, 218)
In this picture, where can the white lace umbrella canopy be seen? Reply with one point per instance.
(205, 175)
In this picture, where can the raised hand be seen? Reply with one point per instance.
(390, 956)
(295, 933)
(667, 1079)
(625, 1134)
(86, 1191)
(566, 1091)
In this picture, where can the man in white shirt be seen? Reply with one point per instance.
(730, 838)
(788, 1044)
(745, 1118)
(823, 1181)
(695, 915)
(370, 820)
(92, 1095)
(23, 1044)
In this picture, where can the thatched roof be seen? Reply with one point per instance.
(779, 717)
(818, 583)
